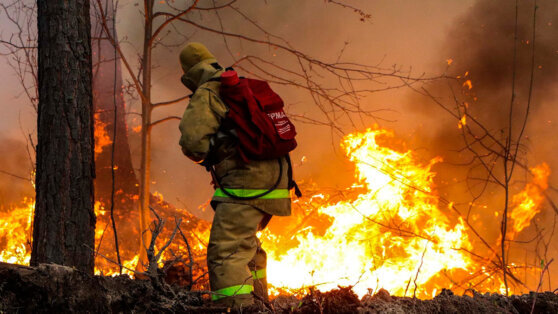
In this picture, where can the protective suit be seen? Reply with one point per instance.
(236, 261)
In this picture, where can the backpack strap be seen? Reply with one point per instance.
(292, 183)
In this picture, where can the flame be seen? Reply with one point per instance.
(390, 235)
(16, 244)
(527, 202)
(462, 121)
(387, 230)
(101, 136)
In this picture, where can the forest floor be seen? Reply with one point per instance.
(59, 289)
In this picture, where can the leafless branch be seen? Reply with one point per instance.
(190, 257)
(170, 102)
(540, 284)
(418, 270)
(170, 18)
(15, 175)
(164, 120)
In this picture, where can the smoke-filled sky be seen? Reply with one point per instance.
(416, 35)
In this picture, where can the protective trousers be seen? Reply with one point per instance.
(236, 261)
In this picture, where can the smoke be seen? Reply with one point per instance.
(481, 46)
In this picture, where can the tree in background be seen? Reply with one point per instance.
(64, 225)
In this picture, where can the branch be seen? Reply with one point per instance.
(418, 270)
(331, 67)
(164, 120)
(168, 21)
(540, 284)
(191, 263)
(120, 265)
(9, 43)
(158, 256)
(531, 81)
(14, 175)
(170, 102)
(363, 15)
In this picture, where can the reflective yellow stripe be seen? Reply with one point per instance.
(231, 291)
(277, 193)
(259, 274)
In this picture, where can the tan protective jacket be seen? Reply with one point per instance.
(203, 140)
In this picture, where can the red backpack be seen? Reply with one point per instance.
(263, 129)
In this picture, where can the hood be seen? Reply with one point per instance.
(200, 73)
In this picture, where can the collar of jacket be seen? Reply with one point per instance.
(201, 73)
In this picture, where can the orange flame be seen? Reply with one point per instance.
(527, 202)
(16, 224)
(386, 231)
(390, 235)
(101, 137)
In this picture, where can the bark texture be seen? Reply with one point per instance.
(64, 225)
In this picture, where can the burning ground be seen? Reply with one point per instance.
(390, 231)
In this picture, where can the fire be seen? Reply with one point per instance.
(390, 236)
(15, 245)
(462, 121)
(527, 202)
(102, 265)
(387, 230)
(101, 136)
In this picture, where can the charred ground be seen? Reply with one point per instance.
(52, 288)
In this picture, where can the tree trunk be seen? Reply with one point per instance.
(107, 90)
(64, 225)
(145, 182)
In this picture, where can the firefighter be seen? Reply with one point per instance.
(235, 259)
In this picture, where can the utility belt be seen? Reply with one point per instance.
(267, 193)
